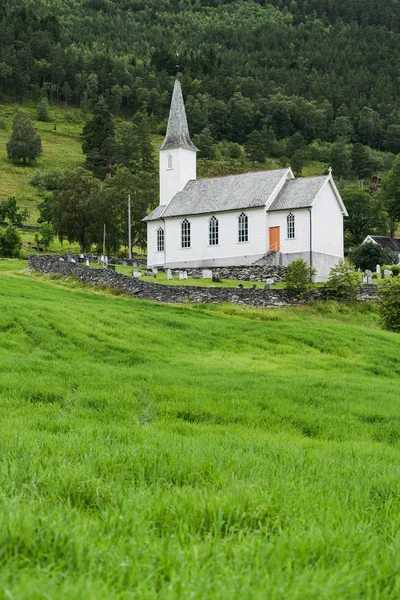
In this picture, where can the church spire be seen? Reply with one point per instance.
(177, 130)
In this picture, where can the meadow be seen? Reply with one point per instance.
(153, 451)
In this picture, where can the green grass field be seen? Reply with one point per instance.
(154, 451)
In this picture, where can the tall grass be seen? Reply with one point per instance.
(151, 451)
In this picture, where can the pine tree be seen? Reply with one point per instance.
(43, 110)
(25, 143)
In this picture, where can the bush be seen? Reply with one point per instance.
(389, 304)
(299, 277)
(342, 282)
(43, 110)
(368, 255)
(10, 242)
(3, 124)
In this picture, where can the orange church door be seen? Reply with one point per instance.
(274, 239)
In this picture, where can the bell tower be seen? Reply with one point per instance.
(177, 152)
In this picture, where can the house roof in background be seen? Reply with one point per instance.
(387, 242)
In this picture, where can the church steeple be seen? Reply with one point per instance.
(177, 130)
(177, 152)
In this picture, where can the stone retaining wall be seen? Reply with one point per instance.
(49, 265)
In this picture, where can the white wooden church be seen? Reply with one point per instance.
(239, 219)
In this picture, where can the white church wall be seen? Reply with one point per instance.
(301, 241)
(327, 224)
(154, 258)
(229, 250)
(177, 167)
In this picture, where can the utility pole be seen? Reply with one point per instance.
(104, 246)
(129, 228)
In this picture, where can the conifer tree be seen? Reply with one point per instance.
(25, 143)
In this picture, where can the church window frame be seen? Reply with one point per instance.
(290, 226)
(160, 239)
(243, 228)
(185, 234)
(170, 162)
(213, 231)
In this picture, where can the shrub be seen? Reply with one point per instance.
(3, 124)
(10, 242)
(389, 304)
(342, 281)
(368, 255)
(43, 110)
(299, 277)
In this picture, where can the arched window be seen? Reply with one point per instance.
(290, 226)
(213, 231)
(170, 161)
(185, 234)
(243, 227)
(160, 239)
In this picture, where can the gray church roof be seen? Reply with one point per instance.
(298, 193)
(177, 129)
(155, 214)
(232, 192)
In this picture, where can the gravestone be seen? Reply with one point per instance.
(270, 281)
(87, 262)
(148, 272)
(136, 273)
(388, 273)
(169, 275)
(124, 263)
(369, 280)
(196, 276)
(106, 261)
(207, 274)
(155, 271)
(378, 269)
(368, 273)
(181, 275)
(365, 278)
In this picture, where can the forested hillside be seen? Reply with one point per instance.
(326, 69)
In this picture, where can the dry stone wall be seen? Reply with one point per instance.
(50, 265)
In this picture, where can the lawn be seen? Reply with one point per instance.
(155, 451)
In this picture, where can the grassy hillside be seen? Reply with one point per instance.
(61, 150)
(151, 451)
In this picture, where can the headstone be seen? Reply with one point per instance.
(72, 260)
(369, 280)
(387, 272)
(148, 272)
(270, 281)
(196, 276)
(106, 261)
(169, 275)
(207, 274)
(136, 273)
(61, 259)
(87, 262)
(368, 272)
(181, 275)
(184, 274)
(124, 263)
(365, 278)
(155, 271)
(378, 269)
